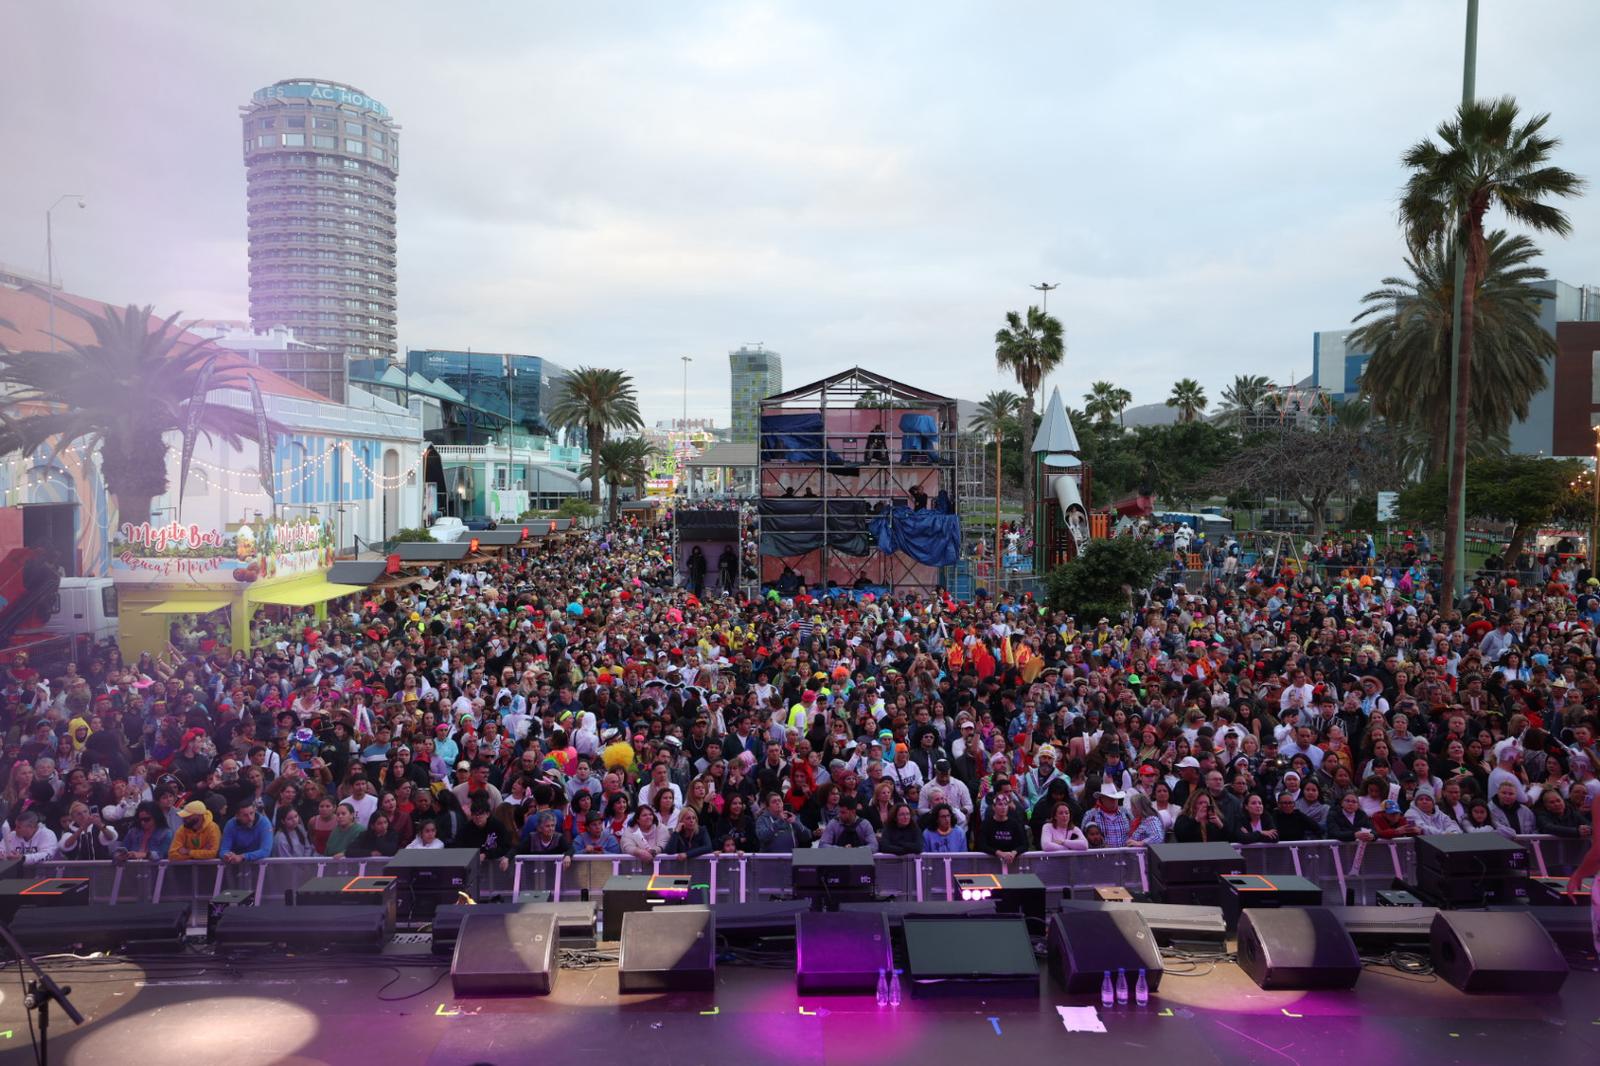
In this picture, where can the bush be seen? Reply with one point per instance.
(576, 507)
(403, 536)
(1097, 583)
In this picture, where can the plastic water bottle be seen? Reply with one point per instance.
(894, 989)
(1107, 996)
(1141, 991)
(883, 989)
(1122, 986)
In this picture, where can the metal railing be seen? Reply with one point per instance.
(1344, 870)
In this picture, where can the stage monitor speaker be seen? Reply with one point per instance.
(1086, 945)
(1171, 923)
(507, 954)
(673, 949)
(125, 928)
(1496, 951)
(312, 927)
(575, 920)
(41, 892)
(841, 951)
(1297, 947)
(638, 892)
(970, 956)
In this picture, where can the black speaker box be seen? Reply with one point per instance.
(308, 928)
(1192, 864)
(1496, 951)
(841, 951)
(673, 949)
(367, 891)
(1383, 929)
(970, 956)
(637, 892)
(125, 928)
(41, 892)
(1243, 891)
(1466, 890)
(1084, 945)
(1171, 923)
(574, 919)
(1297, 947)
(506, 954)
(1479, 854)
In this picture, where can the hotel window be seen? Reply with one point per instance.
(354, 147)
(319, 140)
(377, 153)
(295, 122)
(294, 140)
(266, 123)
(267, 140)
(324, 124)
(355, 129)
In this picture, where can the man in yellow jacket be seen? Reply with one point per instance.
(198, 838)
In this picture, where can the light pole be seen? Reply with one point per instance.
(1456, 535)
(1046, 288)
(50, 256)
(684, 462)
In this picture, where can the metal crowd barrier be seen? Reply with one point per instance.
(1345, 871)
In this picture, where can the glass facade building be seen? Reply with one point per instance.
(499, 387)
(321, 161)
(757, 374)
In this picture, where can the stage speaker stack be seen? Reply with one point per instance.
(575, 921)
(673, 949)
(128, 928)
(1169, 923)
(1242, 891)
(1497, 951)
(429, 878)
(1471, 870)
(506, 954)
(1085, 945)
(970, 956)
(1382, 929)
(1187, 873)
(1297, 947)
(841, 951)
(638, 892)
(308, 928)
(377, 892)
(1552, 892)
(41, 892)
(829, 876)
(1022, 894)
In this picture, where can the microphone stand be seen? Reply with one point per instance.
(40, 992)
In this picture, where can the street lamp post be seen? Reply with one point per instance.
(684, 462)
(1457, 533)
(50, 256)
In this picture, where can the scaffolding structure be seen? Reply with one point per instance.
(857, 465)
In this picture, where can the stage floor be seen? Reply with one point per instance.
(315, 1010)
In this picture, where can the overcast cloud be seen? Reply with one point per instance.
(874, 184)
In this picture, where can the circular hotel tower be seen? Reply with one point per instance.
(320, 164)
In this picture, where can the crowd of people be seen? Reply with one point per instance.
(567, 699)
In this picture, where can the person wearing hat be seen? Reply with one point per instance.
(198, 838)
(1107, 813)
(1037, 780)
(953, 790)
(1188, 770)
(1425, 815)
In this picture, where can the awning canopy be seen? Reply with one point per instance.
(304, 593)
(198, 605)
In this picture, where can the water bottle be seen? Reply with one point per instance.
(1141, 991)
(883, 989)
(894, 989)
(1107, 996)
(1122, 986)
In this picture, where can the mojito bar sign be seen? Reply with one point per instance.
(190, 554)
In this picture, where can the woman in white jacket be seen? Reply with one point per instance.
(1059, 834)
(645, 836)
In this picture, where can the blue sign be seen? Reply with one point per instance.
(319, 90)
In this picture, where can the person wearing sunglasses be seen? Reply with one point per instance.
(147, 838)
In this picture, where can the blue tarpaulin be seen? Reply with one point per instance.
(795, 439)
(919, 438)
(929, 537)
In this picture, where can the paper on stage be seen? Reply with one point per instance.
(1081, 1019)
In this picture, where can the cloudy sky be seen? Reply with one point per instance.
(624, 183)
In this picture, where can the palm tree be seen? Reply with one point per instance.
(1105, 402)
(137, 381)
(1029, 347)
(996, 414)
(1484, 157)
(622, 462)
(596, 400)
(1189, 398)
(1407, 330)
(1247, 396)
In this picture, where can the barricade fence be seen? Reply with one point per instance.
(1343, 870)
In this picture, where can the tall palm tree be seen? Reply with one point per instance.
(1189, 398)
(1407, 330)
(596, 400)
(996, 414)
(1483, 157)
(1029, 347)
(1247, 396)
(121, 393)
(1105, 402)
(622, 462)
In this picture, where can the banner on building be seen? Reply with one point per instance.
(178, 553)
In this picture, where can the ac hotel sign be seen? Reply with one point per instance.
(316, 90)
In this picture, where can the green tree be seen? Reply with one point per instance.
(873, 399)
(1105, 402)
(596, 400)
(623, 462)
(1407, 330)
(135, 382)
(1101, 581)
(1189, 398)
(996, 415)
(1029, 347)
(1483, 157)
(1249, 395)
(1524, 490)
